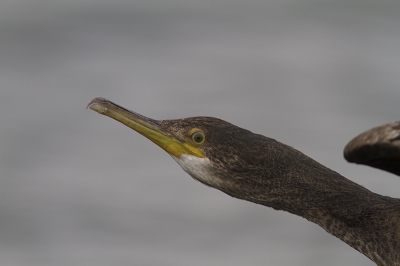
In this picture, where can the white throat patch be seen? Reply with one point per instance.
(199, 168)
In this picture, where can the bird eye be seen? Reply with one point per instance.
(198, 137)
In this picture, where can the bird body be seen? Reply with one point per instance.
(378, 147)
(262, 170)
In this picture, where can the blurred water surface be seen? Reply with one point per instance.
(78, 188)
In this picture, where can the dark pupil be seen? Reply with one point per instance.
(198, 137)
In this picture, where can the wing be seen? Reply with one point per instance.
(378, 147)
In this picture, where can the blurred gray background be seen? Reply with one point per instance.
(78, 188)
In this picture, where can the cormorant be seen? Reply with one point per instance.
(262, 170)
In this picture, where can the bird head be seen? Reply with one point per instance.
(214, 152)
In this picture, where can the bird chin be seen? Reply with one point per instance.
(200, 169)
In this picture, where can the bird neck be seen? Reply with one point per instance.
(364, 220)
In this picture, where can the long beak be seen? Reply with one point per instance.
(145, 126)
